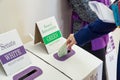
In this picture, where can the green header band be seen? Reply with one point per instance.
(51, 37)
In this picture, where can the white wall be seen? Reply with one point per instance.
(22, 15)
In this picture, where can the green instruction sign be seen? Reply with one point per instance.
(51, 37)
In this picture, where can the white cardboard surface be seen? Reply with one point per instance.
(12, 52)
(111, 59)
(49, 73)
(48, 32)
(81, 66)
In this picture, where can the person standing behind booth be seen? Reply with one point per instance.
(90, 32)
(82, 15)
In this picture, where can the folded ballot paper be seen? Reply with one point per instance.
(103, 12)
(63, 50)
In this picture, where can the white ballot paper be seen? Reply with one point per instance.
(63, 50)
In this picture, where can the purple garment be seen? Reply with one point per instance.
(100, 42)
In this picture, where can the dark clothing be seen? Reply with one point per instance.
(82, 8)
(82, 15)
(118, 64)
(92, 31)
(99, 54)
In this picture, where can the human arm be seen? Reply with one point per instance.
(92, 31)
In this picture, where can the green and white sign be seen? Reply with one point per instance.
(48, 32)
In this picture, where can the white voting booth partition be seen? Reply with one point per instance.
(12, 52)
(21, 65)
(37, 70)
(78, 64)
(48, 32)
(111, 60)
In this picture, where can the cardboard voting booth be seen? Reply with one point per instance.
(77, 63)
(48, 32)
(111, 60)
(21, 65)
(12, 52)
(37, 70)
(80, 66)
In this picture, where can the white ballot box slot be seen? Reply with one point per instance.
(37, 70)
(80, 66)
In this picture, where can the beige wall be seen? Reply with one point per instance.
(22, 15)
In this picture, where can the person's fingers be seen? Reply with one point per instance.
(70, 44)
(68, 41)
(69, 47)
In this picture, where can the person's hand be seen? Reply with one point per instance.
(70, 41)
